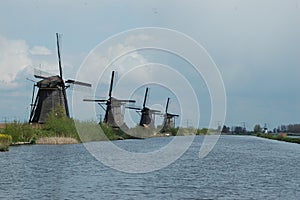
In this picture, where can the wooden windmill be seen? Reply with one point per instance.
(147, 114)
(168, 119)
(51, 93)
(113, 111)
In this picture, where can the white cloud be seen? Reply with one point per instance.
(135, 68)
(13, 59)
(17, 57)
(119, 56)
(40, 50)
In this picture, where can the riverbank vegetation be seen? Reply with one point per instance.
(57, 125)
(5, 141)
(280, 137)
(59, 129)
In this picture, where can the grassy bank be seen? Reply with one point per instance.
(59, 129)
(56, 126)
(92, 131)
(280, 137)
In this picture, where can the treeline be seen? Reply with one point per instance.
(291, 128)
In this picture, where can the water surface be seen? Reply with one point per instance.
(239, 167)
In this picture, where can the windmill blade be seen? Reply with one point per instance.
(95, 100)
(33, 108)
(102, 106)
(145, 98)
(33, 91)
(125, 101)
(41, 74)
(172, 115)
(32, 105)
(41, 77)
(70, 81)
(154, 111)
(61, 76)
(111, 83)
(167, 104)
(133, 108)
(66, 101)
(58, 54)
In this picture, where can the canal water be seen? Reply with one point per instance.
(239, 167)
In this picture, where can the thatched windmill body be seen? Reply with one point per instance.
(113, 110)
(147, 114)
(51, 93)
(168, 119)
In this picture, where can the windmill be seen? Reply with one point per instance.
(147, 114)
(113, 111)
(51, 93)
(168, 119)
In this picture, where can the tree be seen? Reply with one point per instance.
(257, 128)
(238, 130)
(225, 129)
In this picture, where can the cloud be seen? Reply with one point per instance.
(136, 68)
(14, 58)
(17, 57)
(40, 50)
(113, 55)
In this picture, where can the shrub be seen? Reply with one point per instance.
(5, 141)
(20, 132)
(202, 131)
(59, 125)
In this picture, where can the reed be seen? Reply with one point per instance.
(56, 140)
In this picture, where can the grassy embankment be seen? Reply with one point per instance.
(280, 137)
(58, 129)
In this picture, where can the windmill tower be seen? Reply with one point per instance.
(168, 119)
(51, 93)
(147, 114)
(113, 111)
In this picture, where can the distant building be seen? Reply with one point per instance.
(265, 129)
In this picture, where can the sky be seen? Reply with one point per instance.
(255, 44)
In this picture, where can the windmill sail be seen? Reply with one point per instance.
(63, 87)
